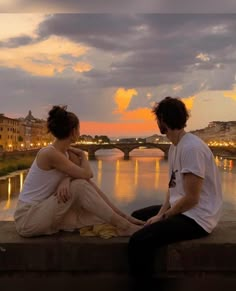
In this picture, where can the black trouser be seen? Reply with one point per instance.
(143, 243)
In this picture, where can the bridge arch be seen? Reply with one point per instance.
(125, 148)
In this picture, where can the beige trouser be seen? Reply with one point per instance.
(85, 208)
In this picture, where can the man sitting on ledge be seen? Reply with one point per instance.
(193, 202)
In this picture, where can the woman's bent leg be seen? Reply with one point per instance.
(86, 197)
(114, 208)
(40, 218)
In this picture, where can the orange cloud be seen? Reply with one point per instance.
(44, 58)
(82, 67)
(230, 94)
(123, 98)
(189, 102)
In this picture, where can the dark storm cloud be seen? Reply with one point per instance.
(104, 31)
(200, 6)
(143, 51)
(24, 92)
(160, 48)
(16, 42)
(121, 6)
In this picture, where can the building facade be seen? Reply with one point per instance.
(9, 133)
(23, 133)
(33, 132)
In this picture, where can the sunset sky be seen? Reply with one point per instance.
(111, 68)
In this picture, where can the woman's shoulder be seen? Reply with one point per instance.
(46, 150)
(44, 157)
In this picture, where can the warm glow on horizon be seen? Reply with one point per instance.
(144, 114)
(119, 129)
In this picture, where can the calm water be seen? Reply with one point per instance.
(133, 184)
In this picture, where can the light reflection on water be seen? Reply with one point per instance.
(136, 183)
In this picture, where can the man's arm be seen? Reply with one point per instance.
(162, 211)
(166, 204)
(192, 188)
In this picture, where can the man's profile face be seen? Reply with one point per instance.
(162, 127)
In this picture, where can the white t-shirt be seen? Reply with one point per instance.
(192, 155)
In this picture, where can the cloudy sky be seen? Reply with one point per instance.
(110, 68)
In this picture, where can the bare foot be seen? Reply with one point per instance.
(134, 220)
(129, 231)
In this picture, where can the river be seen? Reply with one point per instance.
(141, 181)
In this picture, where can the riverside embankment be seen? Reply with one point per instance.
(17, 160)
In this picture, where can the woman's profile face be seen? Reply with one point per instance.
(78, 130)
(75, 134)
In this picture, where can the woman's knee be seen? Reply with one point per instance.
(77, 185)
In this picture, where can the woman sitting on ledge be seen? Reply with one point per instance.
(58, 193)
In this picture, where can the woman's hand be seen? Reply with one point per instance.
(63, 190)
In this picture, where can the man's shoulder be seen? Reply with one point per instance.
(193, 142)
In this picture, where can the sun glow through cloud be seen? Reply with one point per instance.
(79, 60)
(123, 98)
(189, 102)
(44, 58)
(15, 25)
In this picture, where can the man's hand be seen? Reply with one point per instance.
(63, 190)
(154, 219)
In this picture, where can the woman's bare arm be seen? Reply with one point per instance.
(59, 161)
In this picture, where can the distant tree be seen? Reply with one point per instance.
(80, 139)
(105, 138)
(101, 139)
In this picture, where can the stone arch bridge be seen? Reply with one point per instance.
(126, 148)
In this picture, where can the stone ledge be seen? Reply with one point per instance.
(68, 252)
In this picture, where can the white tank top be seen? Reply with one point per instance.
(40, 184)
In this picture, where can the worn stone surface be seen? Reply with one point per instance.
(68, 252)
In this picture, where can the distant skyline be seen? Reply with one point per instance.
(111, 68)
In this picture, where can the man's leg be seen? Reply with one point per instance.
(147, 212)
(143, 243)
